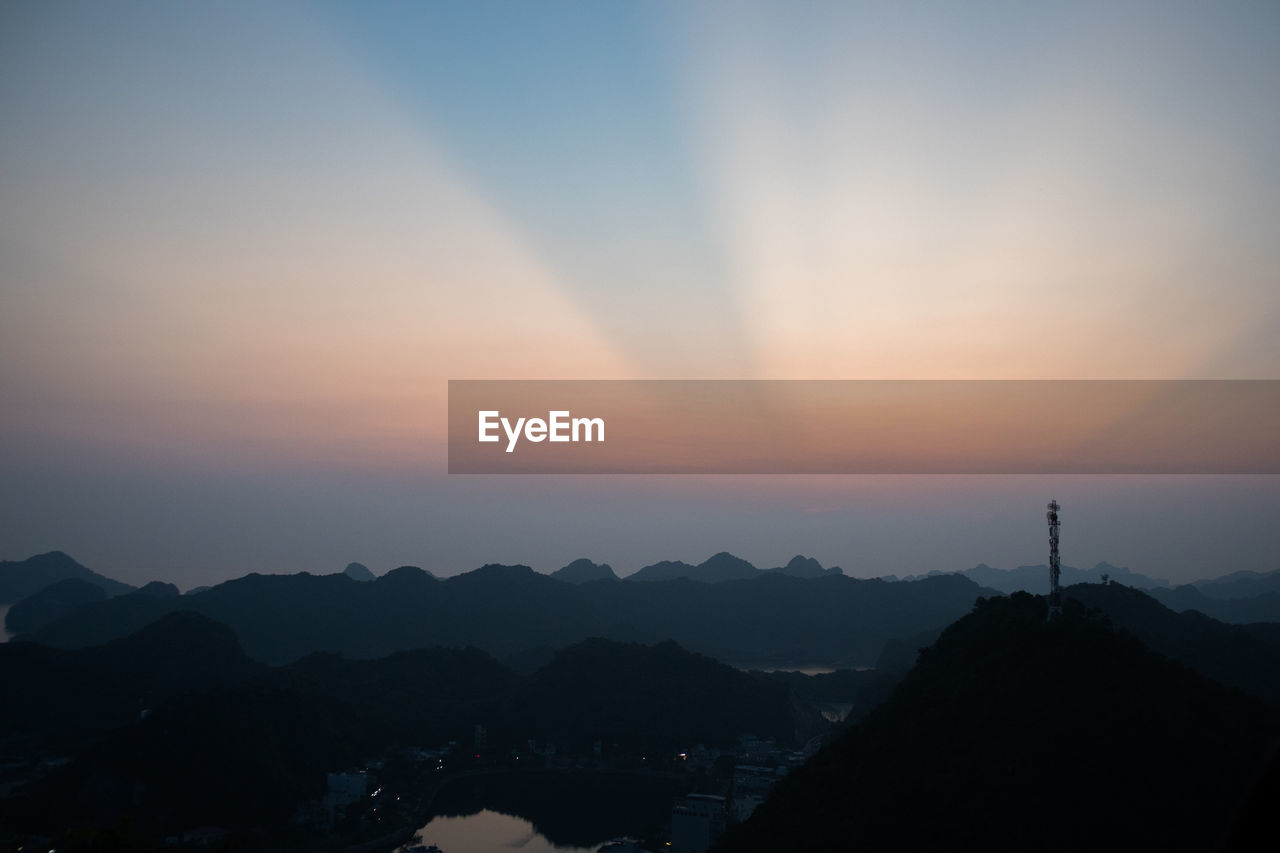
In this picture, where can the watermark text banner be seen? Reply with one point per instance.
(864, 427)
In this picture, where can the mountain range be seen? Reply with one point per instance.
(1239, 597)
(510, 610)
(20, 579)
(1033, 578)
(1142, 725)
(723, 607)
(726, 567)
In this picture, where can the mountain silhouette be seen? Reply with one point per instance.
(66, 693)
(1233, 655)
(20, 579)
(806, 567)
(726, 567)
(51, 603)
(157, 589)
(584, 571)
(1034, 578)
(358, 572)
(1240, 584)
(650, 698)
(508, 610)
(1016, 733)
(1255, 603)
(665, 570)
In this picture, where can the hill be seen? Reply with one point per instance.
(1013, 733)
(1240, 584)
(21, 579)
(50, 604)
(66, 694)
(1033, 579)
(1230, 654)
(650, 698)
(358, 572)
(665, 570)
(1259, 605)
(584, 571)
(421, 696)
(805, 567)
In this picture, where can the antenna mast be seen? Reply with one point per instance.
(1055, 563)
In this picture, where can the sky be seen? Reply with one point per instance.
(243, 248)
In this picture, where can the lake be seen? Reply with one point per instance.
(549, 810)
(806, 669)
(803, 668)
(490, 832)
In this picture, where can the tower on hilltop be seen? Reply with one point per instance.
(1055, 562)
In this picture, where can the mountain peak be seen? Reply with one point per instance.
(583, 570)
(51, 603)
(405, 578)
(724, 567)
(663, 570)
(52, 558)
(158, 589)
(801, 566)
(498, 572)
(22, 578)
(358, 572)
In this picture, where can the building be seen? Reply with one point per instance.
(697, 822)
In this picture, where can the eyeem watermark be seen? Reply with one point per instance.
(559, 426)
(864, 427)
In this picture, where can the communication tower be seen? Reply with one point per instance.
(1055, 563)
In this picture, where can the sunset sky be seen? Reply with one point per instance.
(243, 247)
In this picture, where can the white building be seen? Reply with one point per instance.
(697, 822)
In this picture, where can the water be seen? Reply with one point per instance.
(834, 712)
(773, 666)
(489, 832)
(4, 632)
(810, 669)
(550, 810)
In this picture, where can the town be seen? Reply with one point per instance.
(694, 796)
